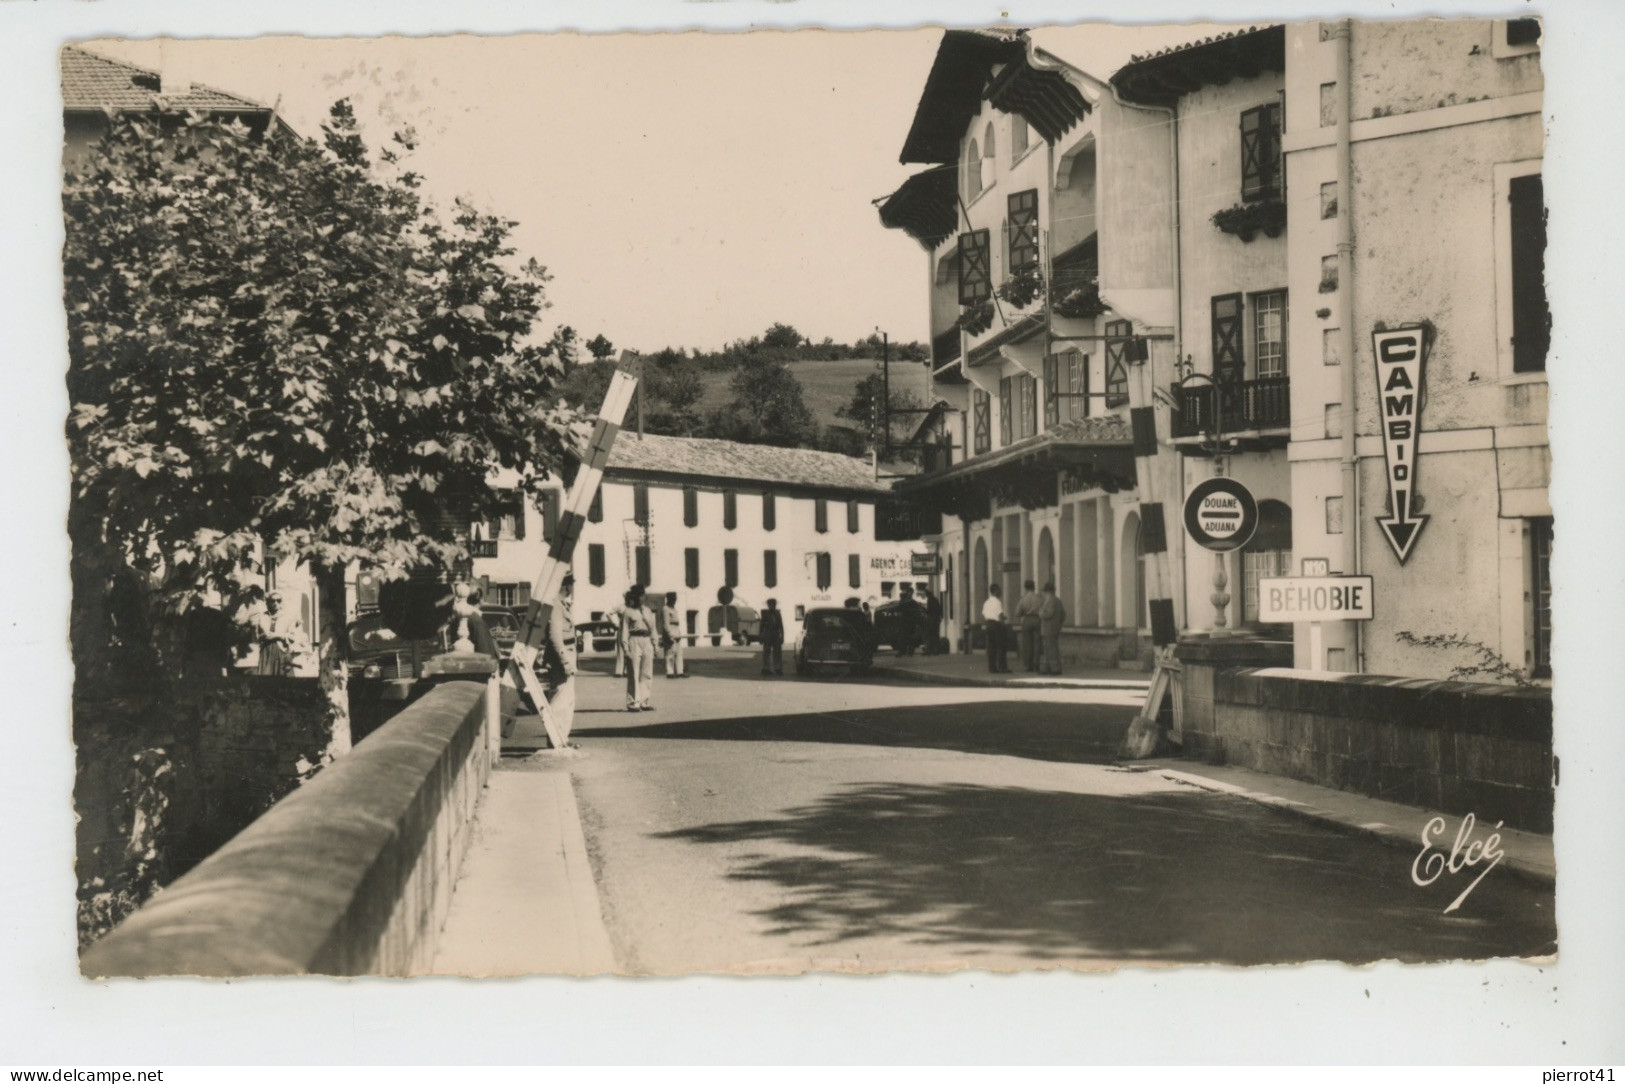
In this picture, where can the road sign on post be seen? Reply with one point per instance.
(1220, 514)
(1315, 599)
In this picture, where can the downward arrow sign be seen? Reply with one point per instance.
(1400, 354)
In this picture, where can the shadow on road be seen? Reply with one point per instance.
(1070, 733)
(1057, 875)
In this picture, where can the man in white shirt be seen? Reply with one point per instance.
(993, 625)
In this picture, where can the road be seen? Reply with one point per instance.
(776, 825)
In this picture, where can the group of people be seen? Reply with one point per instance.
(1037, 618)
(645, 631)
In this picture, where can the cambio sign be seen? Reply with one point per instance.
(1400, 354)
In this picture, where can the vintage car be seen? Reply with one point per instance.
(835, 638)
(900, 624)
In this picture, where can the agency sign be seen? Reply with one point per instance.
(1400, 354)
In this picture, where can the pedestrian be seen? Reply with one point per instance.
(994, 628)
(1026, 619)
(1051, 616)
(559, 651)
(671, 637)
(910, 619)
(637, 645)
(933, 623)
(479, 633)
(283, 646)
(772, 638)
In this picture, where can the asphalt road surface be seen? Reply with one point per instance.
(777, 825)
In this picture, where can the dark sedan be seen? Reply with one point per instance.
(837, 639)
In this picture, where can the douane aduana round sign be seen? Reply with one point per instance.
(1221, 514)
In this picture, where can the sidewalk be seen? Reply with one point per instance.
(1527, 853)
(972, 670)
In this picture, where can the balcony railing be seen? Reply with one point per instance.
(1249, 405)
(482, 547)
(944, 347)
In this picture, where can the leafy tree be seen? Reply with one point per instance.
(866, 397)
(767, 408)
(600, 348)
(782, 337)
(278, 343)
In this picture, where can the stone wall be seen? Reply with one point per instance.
(1458, 747)
(351, 873)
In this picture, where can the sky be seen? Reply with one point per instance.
(684, 189)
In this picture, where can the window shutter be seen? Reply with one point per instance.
(691, 507)
(641, 561)
(1004, 412)
(1052, 389)
(730, 509)
(1029, 405)
(595, 564)
(1531, 318)
(1117, 361)
(975, 280)
(854, 570)
(824, 576)
(691, 567)
(851, 517)
(820, 515)
(640, 504)
(770, 568)
(730, 567)
(983, 421)
(770, 513)
(1023, 211)
(1077, 382)
(1228, 362)
(1261, 153)
(595, 510)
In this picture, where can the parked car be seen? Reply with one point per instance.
(739, 618)
(900, 626)
(600, 633)
(835, 638)
(376, 651)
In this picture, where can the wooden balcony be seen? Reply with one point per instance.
(1248, 407)
(944, 348)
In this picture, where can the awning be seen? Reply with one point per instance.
(1045, 98)
(925, 207)
(1018, 330)
(1093, 452)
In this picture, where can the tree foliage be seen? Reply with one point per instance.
(767, 407)
(279, 342)
(600, 348)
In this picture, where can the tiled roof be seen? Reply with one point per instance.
(1163, 77)
(726, 459)
(1169, 50)
(95, 83)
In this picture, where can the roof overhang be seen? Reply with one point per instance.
(1018, 330)
(1045, 98)
(1028, 472)
(925, 207)
(1163, 78)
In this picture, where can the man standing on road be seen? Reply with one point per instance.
(772, 638)
(637, 644)
(993, 626)
(1026, 619)
(1051, 616)
(671, 637)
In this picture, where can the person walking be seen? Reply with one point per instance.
(671, 637)
(1051, 616)
(993, 626)
(1026, 619)
(559, 655)
(772, 638)
(637, 645)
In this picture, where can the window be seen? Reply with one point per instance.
(987, 141)
(730, 509)
(1261, 153)
(973, 170)
(1027, 397)
(595, 564)
(1006, 415)
(1117, 361)
(770, 568)
(822, 570)
(852, 517)
(730, 568)
(854, 570)
(975, 278)
(1023, 230)
(1267, 554)
(640, 559)
(1066, 387)
(1515, 37)
(981, 421)
(1018, 138)
(820, 515)
(770, 513)
(510, 519)
(1531, 318)
(640, 505)
(1269, 335)
(691, 567)
(595, 510)
(1018, 407)
(1540, 594)
(691, 507)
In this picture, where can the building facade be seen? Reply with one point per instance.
(1212, 247)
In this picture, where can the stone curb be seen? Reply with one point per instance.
(926, 677)
(1382, 833)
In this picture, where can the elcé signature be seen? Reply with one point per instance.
(1433, 862)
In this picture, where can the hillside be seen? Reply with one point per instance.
(826, 385)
